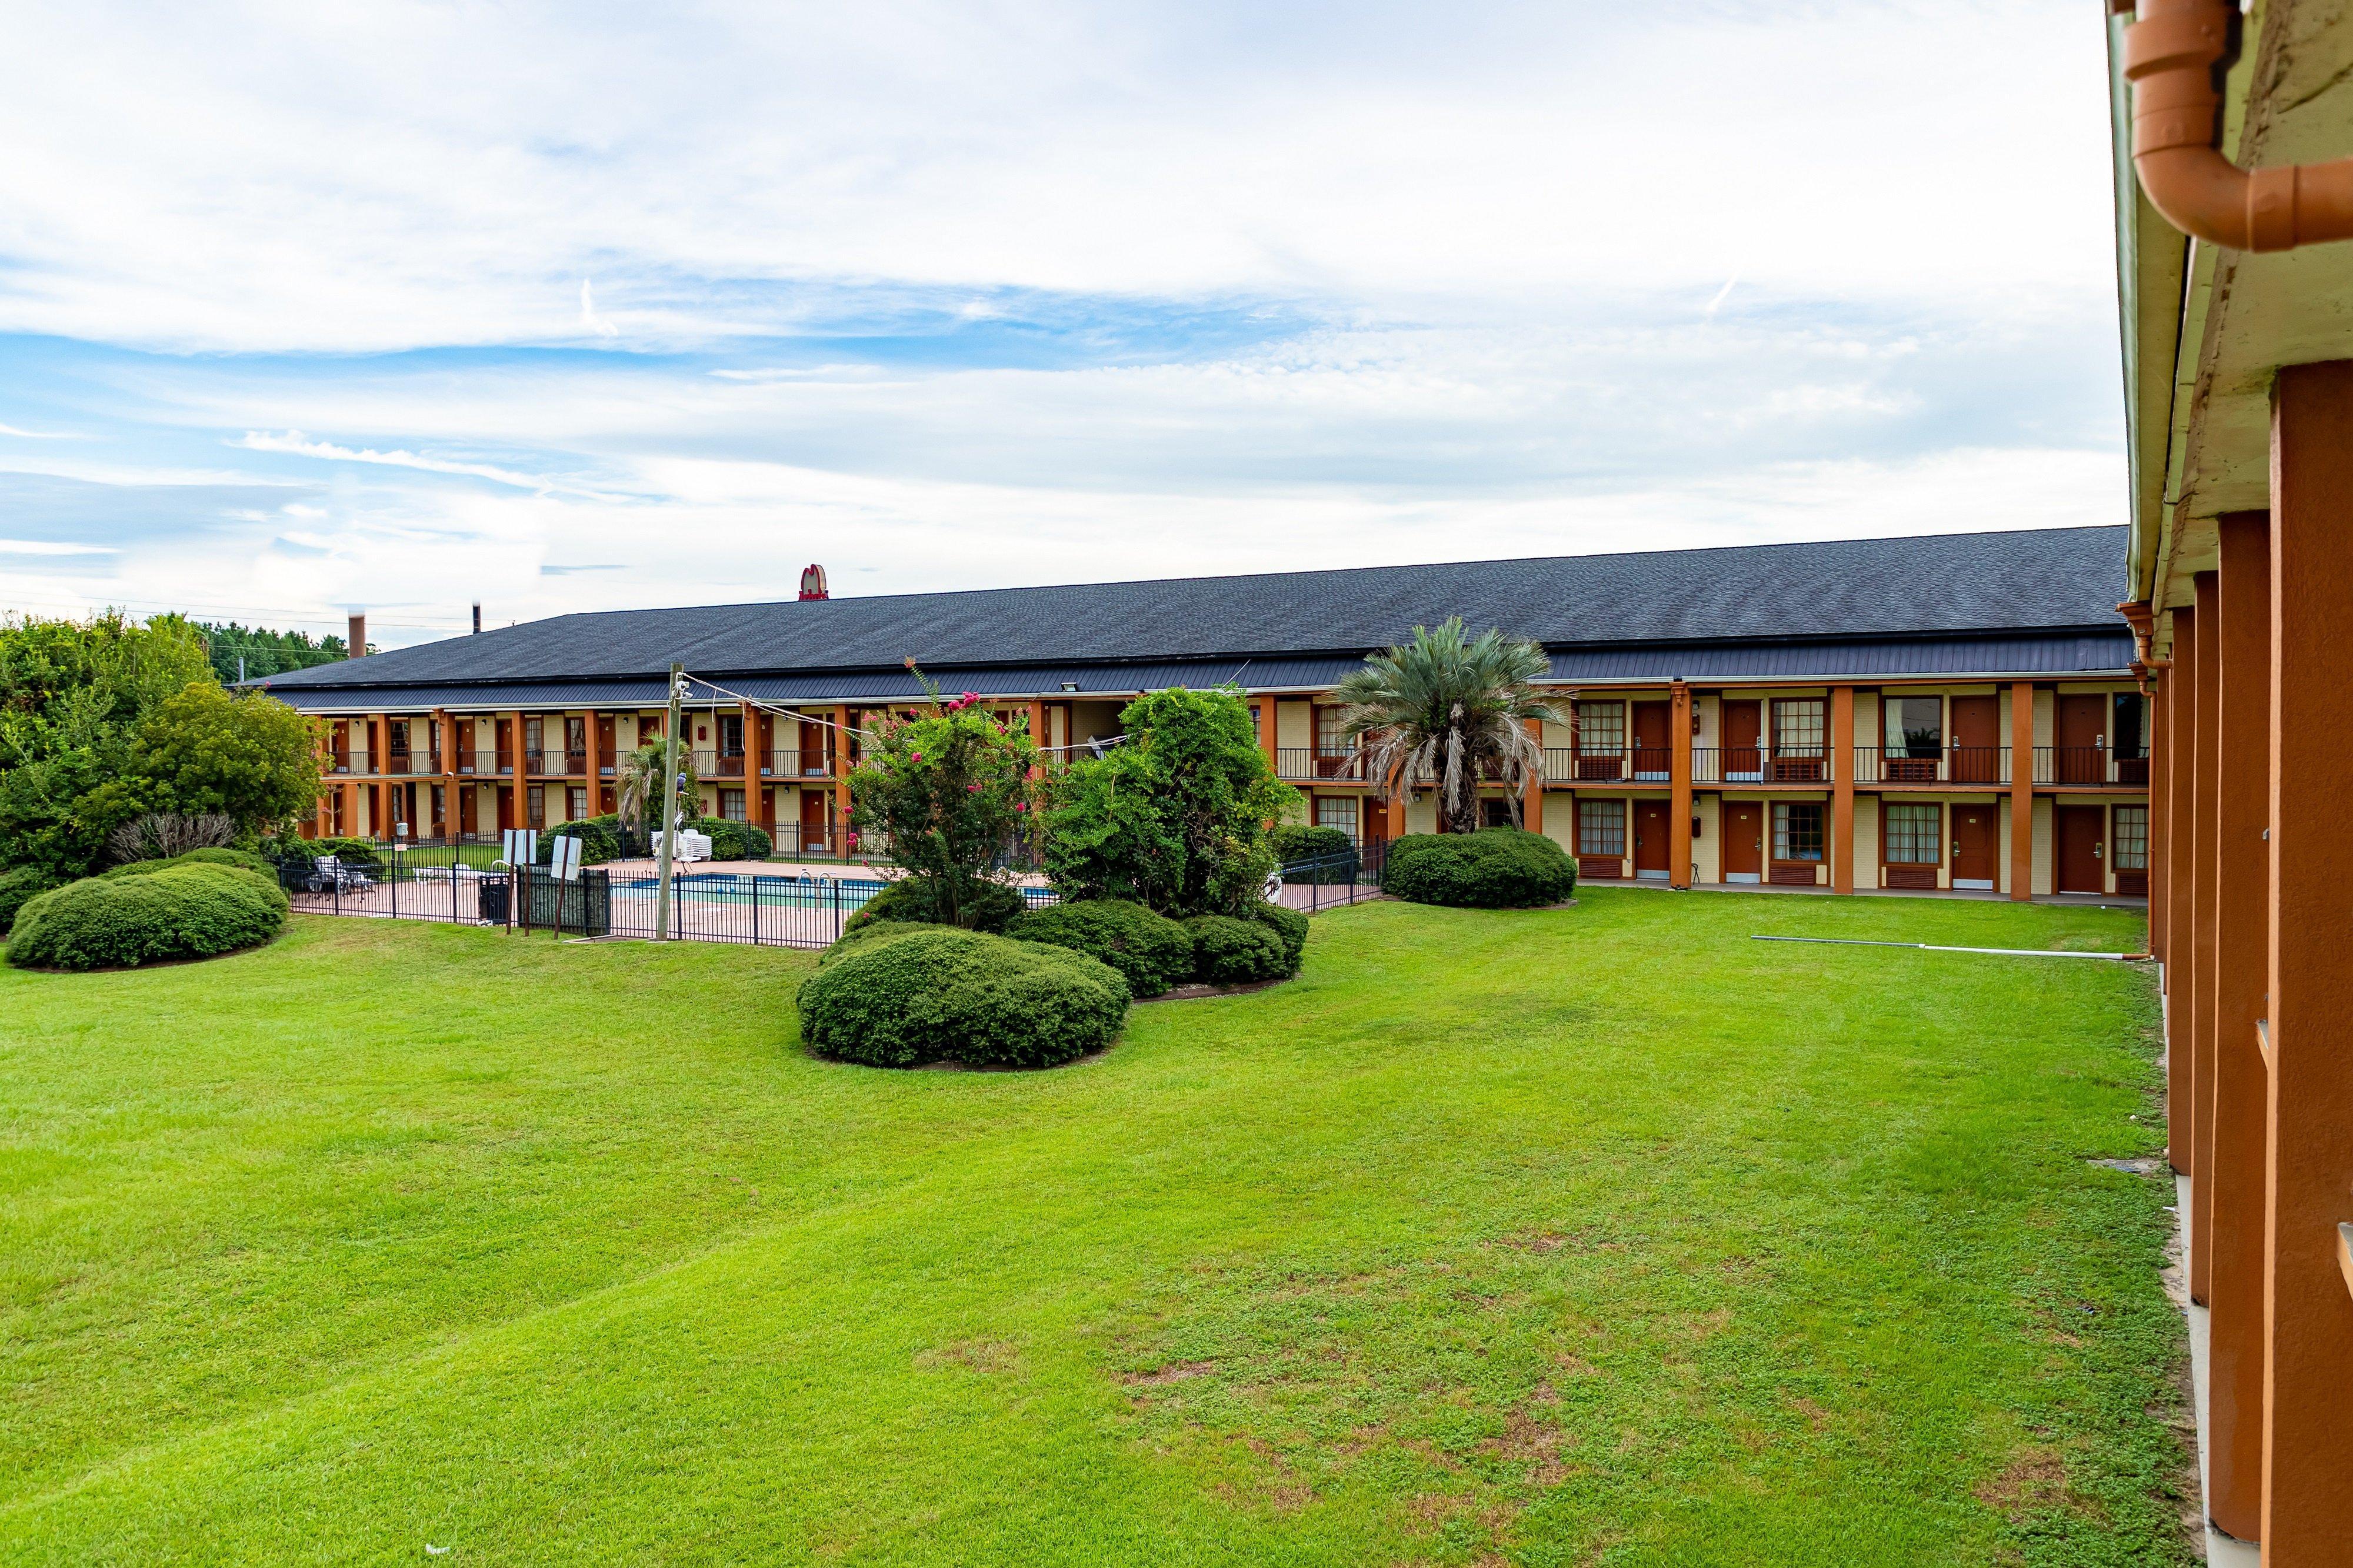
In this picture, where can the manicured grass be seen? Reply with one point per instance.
(1601, 1234)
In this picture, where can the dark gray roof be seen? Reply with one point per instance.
(2033, 581)
(2046, 655)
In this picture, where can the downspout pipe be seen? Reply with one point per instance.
(2171, 52)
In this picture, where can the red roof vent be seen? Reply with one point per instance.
(813, 582)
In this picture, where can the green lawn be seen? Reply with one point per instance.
(1596, 1235)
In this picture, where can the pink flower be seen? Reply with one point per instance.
(971, 789)
(1020, 805)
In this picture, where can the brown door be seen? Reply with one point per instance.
(812, 752)
(506, 809)
(1977, 839)
(604, 743)
(1743, 722)
(1651, 839)
(1977, 740)
(2083, 756)
(1742, 848)
(1651, 739)
(813, 822)
(2083, 850)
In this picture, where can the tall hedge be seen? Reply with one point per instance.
(936, 993)
(1494, 868)
(187, 910)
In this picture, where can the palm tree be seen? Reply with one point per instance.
(637, 784)
(1453, 709)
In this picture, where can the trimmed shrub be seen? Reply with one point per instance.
(1291, 927)
(1296, 841)
(187, 910)
(18, 885)
(1231, 952)
(238, 858)
(1494, 868)
(1151, 950)
(600, 840)
(934, 992)
(733, 840)
(991, 908)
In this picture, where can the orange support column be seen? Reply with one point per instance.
(2233, 1158)
(2159, 687)
(445, 741)
(2202, 807)
(1841, 789)
(2021, 790)
(2181, 880)
(1679, 787)
(1532, 802)
(1265, 706)
(2308, 1301)
(841, 762)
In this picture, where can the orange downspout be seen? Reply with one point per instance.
(2170, 57)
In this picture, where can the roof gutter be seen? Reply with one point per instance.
(2170, 51)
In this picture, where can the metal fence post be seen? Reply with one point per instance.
(836, 885)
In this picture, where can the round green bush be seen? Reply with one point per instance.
(1494, 868)
(1150, 948)
(242, 858)
(189, 911)
(901, 998)
(18, 885)
(1291, 927)
(1231, 952)
(992, 907)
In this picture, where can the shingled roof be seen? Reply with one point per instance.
(2041, 581)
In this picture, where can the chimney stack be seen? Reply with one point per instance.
(356, 644)
(478, 618)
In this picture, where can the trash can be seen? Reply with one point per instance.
(490, 900)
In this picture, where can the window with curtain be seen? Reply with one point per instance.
(1329, 741)
(1338, 812)
(2131, 837)
(576, 804)
(1915, 833)
(1601, 726)
(1915, 726)
(1798, 830)
(538, 804)
(1601, 827)
(1797, 724)
(731, 804)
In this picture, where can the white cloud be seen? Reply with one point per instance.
(296, 444)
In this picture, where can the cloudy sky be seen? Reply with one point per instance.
(309, 308)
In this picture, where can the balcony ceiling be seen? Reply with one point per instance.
(2243, 315)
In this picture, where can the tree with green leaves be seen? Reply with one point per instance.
(249, 757)
(1177, 816)
(949, 788)
(255, 653)
(72, 695)
(1453, 710)
(638, 785)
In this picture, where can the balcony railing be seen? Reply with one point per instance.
(399, 763)
(2092, 766)
(1760, 765)
(797, 764)
(1932, 764)
(719, 764)
(1606, 764)
(576, 763)
(1315, 762)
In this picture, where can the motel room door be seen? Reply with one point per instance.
(813, 823)
(1651, 839)
(2082, 734)
(1743, 722)
(1651, 722)
(1977, 838)
(2083, 849)
(1977, 740)
(1743, 845)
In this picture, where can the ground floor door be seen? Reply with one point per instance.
(1651, 839)
(506, 809)
(813, 822)
(2082, 838)
(1977, 843)
(1742, 847)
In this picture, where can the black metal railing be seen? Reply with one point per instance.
(1932, 764)
(1309, 763)
(2092, 766)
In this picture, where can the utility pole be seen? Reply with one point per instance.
(668, 805)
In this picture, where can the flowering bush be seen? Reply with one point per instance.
(949, 787)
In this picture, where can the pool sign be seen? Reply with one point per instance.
(565, 864)
(518, 846)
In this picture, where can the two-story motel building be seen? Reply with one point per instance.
(1958, 712)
